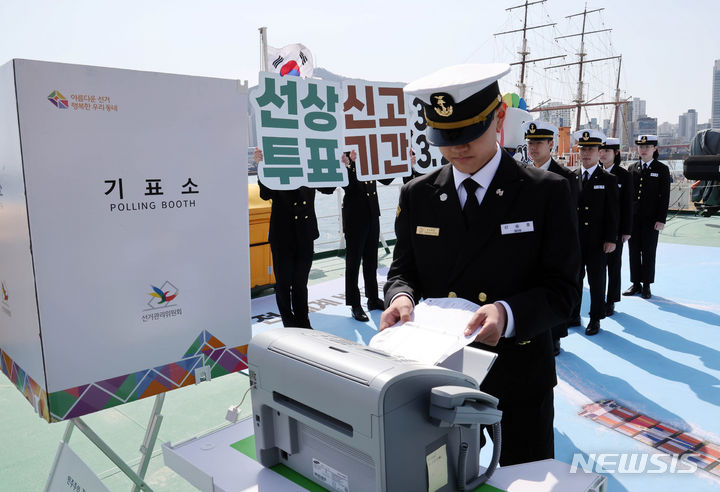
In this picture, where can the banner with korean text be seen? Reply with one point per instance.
(376, 126)
(299, 127)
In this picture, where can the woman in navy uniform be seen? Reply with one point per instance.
(293, 231)
(610, 159)
(540, 138)
(488, 230)
(651, 180)
(598, 212)
(361, 224)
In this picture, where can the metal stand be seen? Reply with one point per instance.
(146, 448)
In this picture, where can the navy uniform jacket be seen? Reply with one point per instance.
(598, 208)
(293, 224)
(535, 271)
(652, 192)
(360, 203)
(570, 176)
(625, 189)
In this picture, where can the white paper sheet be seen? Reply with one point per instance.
(435, 332)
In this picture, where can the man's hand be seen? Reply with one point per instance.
(399, 310)
(625, 237)
(659, 226)
(345, 160)
(257, 155)
(493, 319)
(608, 247)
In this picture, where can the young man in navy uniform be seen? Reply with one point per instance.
(651, 179)
(540, 138)
(489, 230)
(598, 212)
(610, 159)
(361, 224)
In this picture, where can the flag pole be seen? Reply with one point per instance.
(263, 48)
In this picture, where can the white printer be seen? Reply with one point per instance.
(351, 418)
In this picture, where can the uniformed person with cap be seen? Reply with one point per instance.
(651, 179)
(610, 159)
(491, 231)
(540, 139)
(293, 231)
(598, 212)
(361, 225)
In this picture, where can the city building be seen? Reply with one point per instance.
(645, 126)
(687, 125)
(558, 117)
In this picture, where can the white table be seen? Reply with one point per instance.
(210, 464)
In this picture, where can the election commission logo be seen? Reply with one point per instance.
(162, 297)
(58, 100)
(160, 304)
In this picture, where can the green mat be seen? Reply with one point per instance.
(247, 447)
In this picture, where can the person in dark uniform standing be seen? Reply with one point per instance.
(540, 138)
(361, 225)
(610, 159)
(598, 212)
(293, 231)
(651, 181)
(489, 230)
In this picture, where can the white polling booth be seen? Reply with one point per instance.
(123, 233)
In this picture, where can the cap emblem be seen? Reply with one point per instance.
(643, 139)
(532, 128)
(586, 136)
(439, 106)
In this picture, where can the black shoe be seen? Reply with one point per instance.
(359, 314)
(556, 346)
(374, 304)
(575, 322)
(646, 294)
(633, 289)
(609, 308)
(593, 327)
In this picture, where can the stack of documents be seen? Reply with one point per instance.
(436, 331)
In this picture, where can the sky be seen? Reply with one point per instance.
(668, 47)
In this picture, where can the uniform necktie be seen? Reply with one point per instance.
(471, 210)
(586, 176)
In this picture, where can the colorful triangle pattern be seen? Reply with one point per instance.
(206, 350)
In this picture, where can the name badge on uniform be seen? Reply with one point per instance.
(599, 187)
(517, 227)
(427, 231)
(654, 175)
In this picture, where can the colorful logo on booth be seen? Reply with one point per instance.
(290, 68)
(58, 100)
(161, 297)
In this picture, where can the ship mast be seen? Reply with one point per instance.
(617, 99)
(524, 50)
(579, 101)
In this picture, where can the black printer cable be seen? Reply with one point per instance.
(462, 462)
